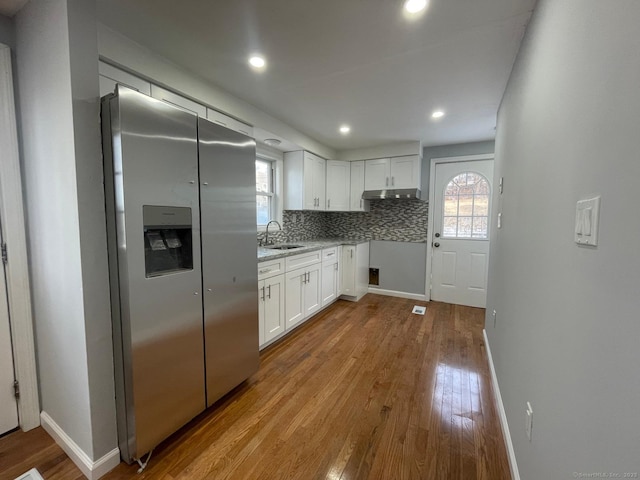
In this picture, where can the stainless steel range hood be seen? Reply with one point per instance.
(400, 193)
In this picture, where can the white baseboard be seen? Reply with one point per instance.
(92, 470)
(513, 465)
(394, 293)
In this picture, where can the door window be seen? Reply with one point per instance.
(466, 207)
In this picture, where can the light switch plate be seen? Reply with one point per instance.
(587, 216)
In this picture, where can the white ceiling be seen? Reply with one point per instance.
(359, 62)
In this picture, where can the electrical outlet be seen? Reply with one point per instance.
(529, 421)
(494, 319)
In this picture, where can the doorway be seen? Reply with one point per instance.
(460, 229)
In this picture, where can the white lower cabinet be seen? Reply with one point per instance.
(271, 308)
(355, 271)
(302, 296)
(330, 275)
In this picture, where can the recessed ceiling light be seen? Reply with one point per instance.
(344, 129)
(257, 61)
(415, 6)
(437, 114)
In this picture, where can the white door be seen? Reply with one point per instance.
(460, 235)
(273, 307)
(8, 405)
(312, 291)
(348, 270)
(376, 174)
(294, 309)
(329, 282)
(338, 185)
(405, 172)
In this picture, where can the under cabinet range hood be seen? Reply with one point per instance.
(400, 193)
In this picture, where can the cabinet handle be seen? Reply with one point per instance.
(386, 183)
(308, 277)
(262, 298)
(266, 270)
(393, 181)
(351, 251)
(329, 203)
(331, 254)
(336, 267)
(304, 278)
(269, 292)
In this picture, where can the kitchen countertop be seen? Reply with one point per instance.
(306, 246)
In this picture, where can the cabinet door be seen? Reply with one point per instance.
(273, 308)
(111, 76)
(312, 290)
(338, 185)
(319, 182)
(310, 196)
(357, 204)
(349, 270)
(261, 339)
(376, 174)
(294, 310)
(178, 101)
(405, 172)
(329, 283)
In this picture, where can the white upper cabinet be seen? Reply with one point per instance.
(338, 185)
(357, 204)
(304, 181)
(110, 76)
(376, 174)
(393, 173)
(405, 171)
(178, 101)
(230, 123)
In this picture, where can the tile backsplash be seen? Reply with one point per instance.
(397, 220)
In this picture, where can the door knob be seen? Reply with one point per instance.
(436, 244)
(437, 235)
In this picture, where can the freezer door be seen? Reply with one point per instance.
(229, 261)
(151, 160)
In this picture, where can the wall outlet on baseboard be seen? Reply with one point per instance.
(529, 421)
(494, 319)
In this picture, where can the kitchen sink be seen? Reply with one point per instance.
(283, 247)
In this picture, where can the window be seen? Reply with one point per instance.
(264, 191)
(466, 207)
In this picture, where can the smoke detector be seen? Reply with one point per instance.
(272, 142)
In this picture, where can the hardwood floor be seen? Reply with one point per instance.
(364, 390)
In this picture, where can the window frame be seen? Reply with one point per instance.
(276, 187)
(472, 216)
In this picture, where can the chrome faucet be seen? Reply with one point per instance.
(266, 235)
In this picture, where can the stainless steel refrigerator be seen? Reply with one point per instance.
(180, 199)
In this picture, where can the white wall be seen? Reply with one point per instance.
(121, 51)
(58, 96)
(567, 328)
(455, 150)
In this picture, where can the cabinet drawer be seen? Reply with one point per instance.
(302, 260)
(270, 268)
(330, 255)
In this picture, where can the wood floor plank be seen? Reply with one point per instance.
(363, 390)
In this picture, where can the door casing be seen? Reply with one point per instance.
(430, 221)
